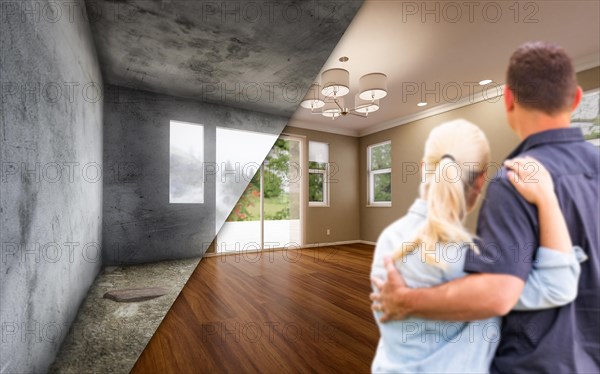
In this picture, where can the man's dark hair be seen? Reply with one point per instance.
(542, 77)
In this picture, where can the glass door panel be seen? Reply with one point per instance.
(241, 231)
(239, 155)
(282, 176)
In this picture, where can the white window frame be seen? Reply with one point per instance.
(371, 178)
(325, 173)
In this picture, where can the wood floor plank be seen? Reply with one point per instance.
(304, 310)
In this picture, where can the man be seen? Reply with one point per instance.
(541, 92)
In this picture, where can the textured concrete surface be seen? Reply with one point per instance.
(258, 55)
(107, 336)
(140, 225)
(252, 55)
(50, 193)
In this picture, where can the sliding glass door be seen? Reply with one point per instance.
(282, 193)
(268, 215)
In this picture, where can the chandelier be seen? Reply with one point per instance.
(328, 97)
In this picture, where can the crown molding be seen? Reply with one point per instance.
(587, 62)
(319, 127)
(491, 94)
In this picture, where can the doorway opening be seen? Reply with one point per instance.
(269, 213)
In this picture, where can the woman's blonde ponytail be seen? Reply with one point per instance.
(455, 153)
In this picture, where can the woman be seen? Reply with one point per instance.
(430, 243)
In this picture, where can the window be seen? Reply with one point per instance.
(318, 185)
(379, 165)
(587, 117)
(186, 165)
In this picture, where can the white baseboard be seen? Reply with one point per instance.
(315, 245)
(339, 243)
(312, 245)
(366, 242)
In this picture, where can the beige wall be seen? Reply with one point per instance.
(342, 216)
(589, 79)
(407, 147)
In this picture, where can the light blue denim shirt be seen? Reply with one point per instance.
(417, 345)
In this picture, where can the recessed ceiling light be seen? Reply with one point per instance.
(344, 59)
(422, 104)
(485, 81)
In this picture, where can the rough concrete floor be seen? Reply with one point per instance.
(107, 336)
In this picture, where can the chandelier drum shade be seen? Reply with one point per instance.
(313, 99)
(373, 86)
(328, 96)
(334, 108)
(336, 82)
(365, 106)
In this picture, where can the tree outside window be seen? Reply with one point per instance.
(318, 186)
(379, 164)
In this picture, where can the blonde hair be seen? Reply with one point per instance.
(456, 153)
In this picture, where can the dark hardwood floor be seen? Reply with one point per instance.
(294, 311)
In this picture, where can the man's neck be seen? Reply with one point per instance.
(533, 122)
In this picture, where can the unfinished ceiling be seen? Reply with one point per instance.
(254, 55)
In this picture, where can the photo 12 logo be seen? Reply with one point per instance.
(51, 252)
(470, 11)
(68, 172)
(70, 11)
(451, 92)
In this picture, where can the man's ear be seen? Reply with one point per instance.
(509, 99)
(577, 99)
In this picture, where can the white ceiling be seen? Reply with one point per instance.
(391, 37)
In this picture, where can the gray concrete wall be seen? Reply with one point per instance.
(50, 192)
(140, 225)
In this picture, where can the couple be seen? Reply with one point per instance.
(439, 292)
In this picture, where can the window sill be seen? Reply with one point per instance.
(318, 205)
(381, 205)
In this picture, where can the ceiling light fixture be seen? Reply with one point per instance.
(485, 81)
(333, 109)
(422, 104)
(313, 99)
(335, 84)
(373, 86)
(365, 106)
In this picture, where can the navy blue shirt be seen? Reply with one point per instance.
(559, 340)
